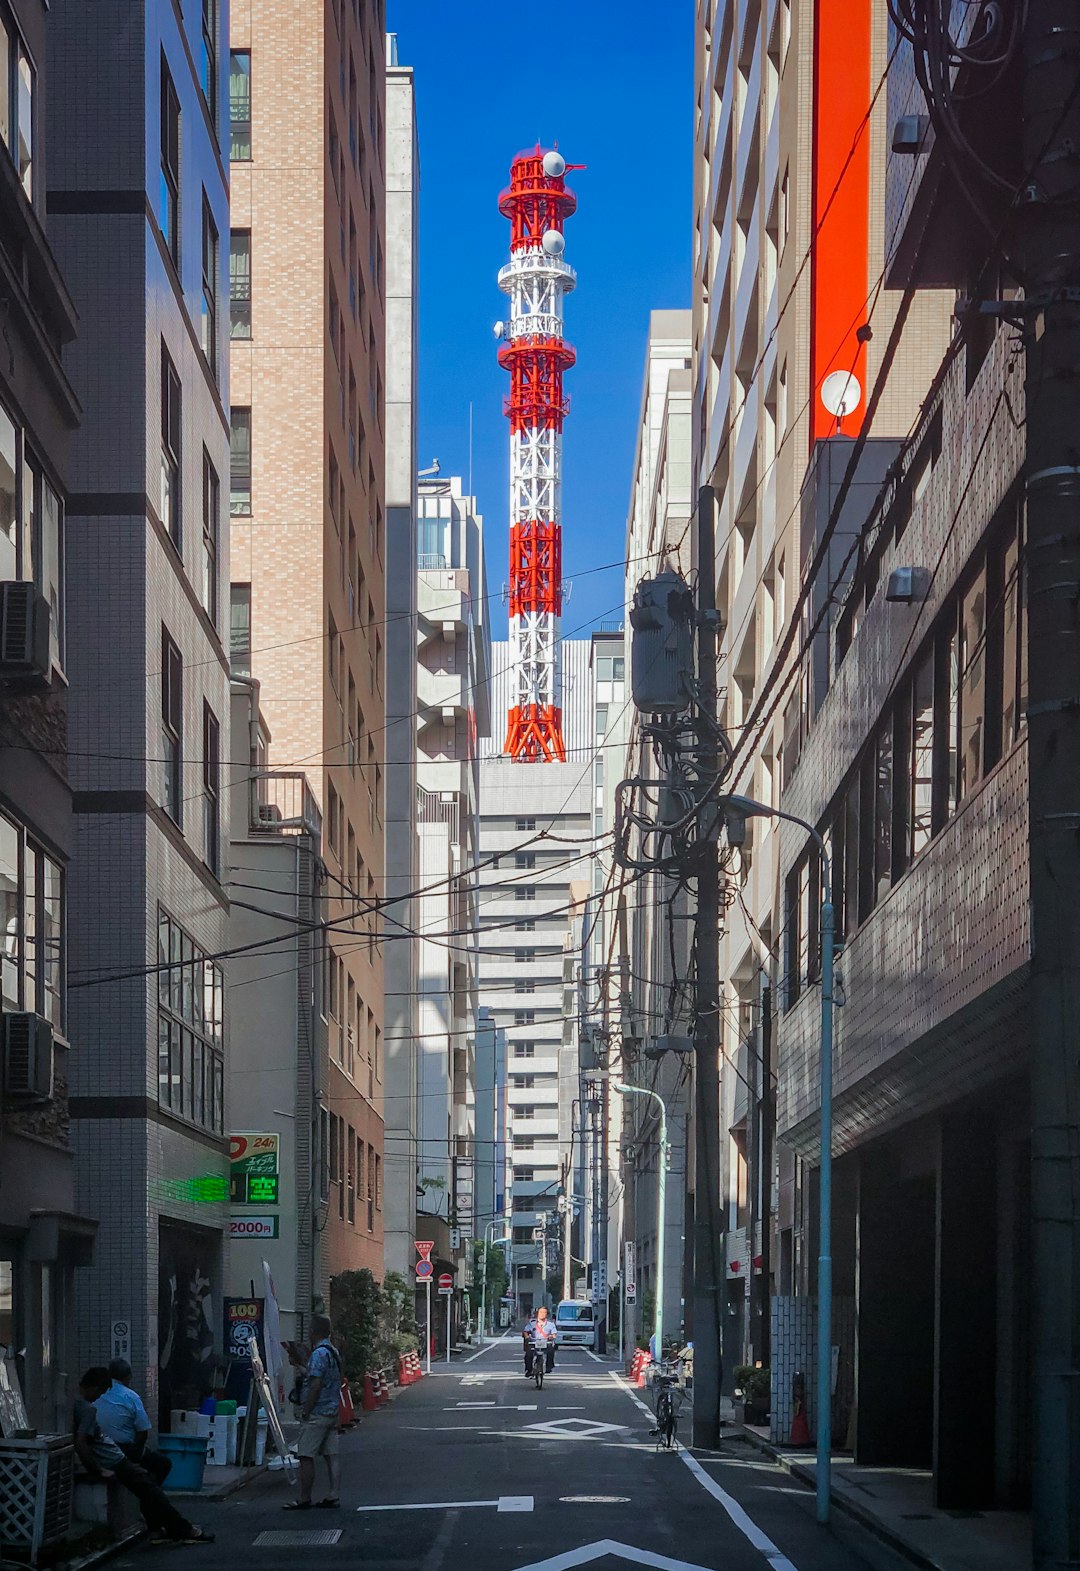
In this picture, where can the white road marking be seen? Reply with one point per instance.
(529, 1407)
(593, 1355)
(485, 1347)
(610, 1546)
(750, 1530)
(468, 1404)
(503, 1503)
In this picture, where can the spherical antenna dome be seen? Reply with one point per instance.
(841, 393)
(554, 165)
(553, 243)
(499, 329)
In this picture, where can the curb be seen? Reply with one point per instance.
(796, 1469)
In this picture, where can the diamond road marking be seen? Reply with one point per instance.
(610, 1546)
(282, 1538)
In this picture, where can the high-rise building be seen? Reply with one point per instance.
(453, 688)
(307, 501)
(791, 320)
(42, 1236)
(138, 210)
(536, 830)
(399, 738)
(658, 907)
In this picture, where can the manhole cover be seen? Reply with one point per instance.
(284, 1539)
(594, 1500)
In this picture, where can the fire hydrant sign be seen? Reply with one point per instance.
(253, 1170)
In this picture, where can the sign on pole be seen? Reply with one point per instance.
(424, 1270)
(630, 1271)
(427, 1322)
(424, 1246)
(120, 1339)
(446, 1283)
(253, 1169)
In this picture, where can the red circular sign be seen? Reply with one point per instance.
(446, 1280)
(424, 1268)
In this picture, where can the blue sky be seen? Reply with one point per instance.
(616, 92)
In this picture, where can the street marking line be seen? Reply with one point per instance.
(503, 1503)
(593, 1355)
(529, 1407)
(610, 1546)
(749, 1529)
(494, 1342)
(468, 1404)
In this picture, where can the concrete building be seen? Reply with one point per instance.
(790, 326)
(42, 1237)
(915, 766)
(399, 738)
(453, 676)
(308, 254)
(275, 1002)
(137, 118)
(658, 908)
(529, 893)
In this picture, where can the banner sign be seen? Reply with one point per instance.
(253, 1170)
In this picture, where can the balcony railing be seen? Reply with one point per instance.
(283, 803)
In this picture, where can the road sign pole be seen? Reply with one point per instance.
(449, 1301)
(427, 1324)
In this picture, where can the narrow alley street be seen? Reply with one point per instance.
(475, 1468)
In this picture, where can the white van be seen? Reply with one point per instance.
(575, 1323)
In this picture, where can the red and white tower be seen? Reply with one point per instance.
(536, 278)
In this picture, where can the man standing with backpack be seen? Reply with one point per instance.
(319, 1418)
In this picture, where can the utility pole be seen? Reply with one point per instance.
(602, 1219)
(1050, 259)
(707, 1220)
(767, 1115)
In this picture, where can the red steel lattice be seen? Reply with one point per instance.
(535, 568)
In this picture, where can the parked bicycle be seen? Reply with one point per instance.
(670, 1395)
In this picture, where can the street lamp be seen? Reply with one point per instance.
(495, 1221)
(661, 1191)
(738, 809)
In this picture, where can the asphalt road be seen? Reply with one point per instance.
(473, 1468)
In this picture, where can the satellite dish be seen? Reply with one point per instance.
(841, 393)
(554, 165)
(499, 329)
(553, 243)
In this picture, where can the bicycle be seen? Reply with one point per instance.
(539, 1359)
(669, 1400)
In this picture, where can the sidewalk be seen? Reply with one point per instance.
(898, 1505)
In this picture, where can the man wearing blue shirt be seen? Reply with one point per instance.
(123, 1420)
(319, 1418)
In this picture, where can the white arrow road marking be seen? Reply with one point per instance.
(503, 1503)
(610, 1546)
(750, 1530)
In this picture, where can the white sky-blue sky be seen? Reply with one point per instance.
(613, 84)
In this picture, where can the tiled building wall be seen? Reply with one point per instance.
(954, 928)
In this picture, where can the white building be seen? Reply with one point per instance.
(453, 713)
(537, 829)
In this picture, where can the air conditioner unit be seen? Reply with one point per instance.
(28, 1057)
(24, 630)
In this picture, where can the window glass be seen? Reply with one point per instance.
(170, 447)
(240, 105)
(169, 189)
(11, 965)
(208, 62)
(52, 568)
(211, 527)
(240, 628)
(25, 129)
(972, 685)
(883, 811)
(6, 53)
(51, 953)
(240, 461)
(208, 326)
(9, 568)
(240, 283)
(922, 754)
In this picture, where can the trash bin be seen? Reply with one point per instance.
(187, 1453)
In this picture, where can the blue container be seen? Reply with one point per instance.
(187, 1453)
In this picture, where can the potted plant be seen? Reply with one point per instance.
(752, 1390)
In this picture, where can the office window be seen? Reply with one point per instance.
(17, 101)
(525, 1017)
(525, 892)
(211, 530)
(524, 1082)
(526, 1111)
(169, 192)
(191, 990)
(32, 911)
(525, 859)
(209, 330)
(525, 824)
(240, 105)
(524, 985)
(240, 628)
(524, 1049)
(170, 448)
(240, 283)
(351, 1180)
(208, 60)
(31, 527)
(371, 1189)
(172, 726)
(211, 790)
(240, 462)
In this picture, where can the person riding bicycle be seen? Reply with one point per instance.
(539, 1332)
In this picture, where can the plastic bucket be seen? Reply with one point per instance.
(187, 1453)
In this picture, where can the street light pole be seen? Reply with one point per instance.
(484, 1273)
(661, 1208)
(739, 808)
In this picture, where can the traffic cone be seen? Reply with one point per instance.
(367, 1402)
(418, 1373)
(382, 1394)
(800, 1429)
(403, 1376)
(646, 1360)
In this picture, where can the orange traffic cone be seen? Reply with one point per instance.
(800, 1429)
(646, 1360)
(382, 1392)
(404, 1378)
(367, 1402)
